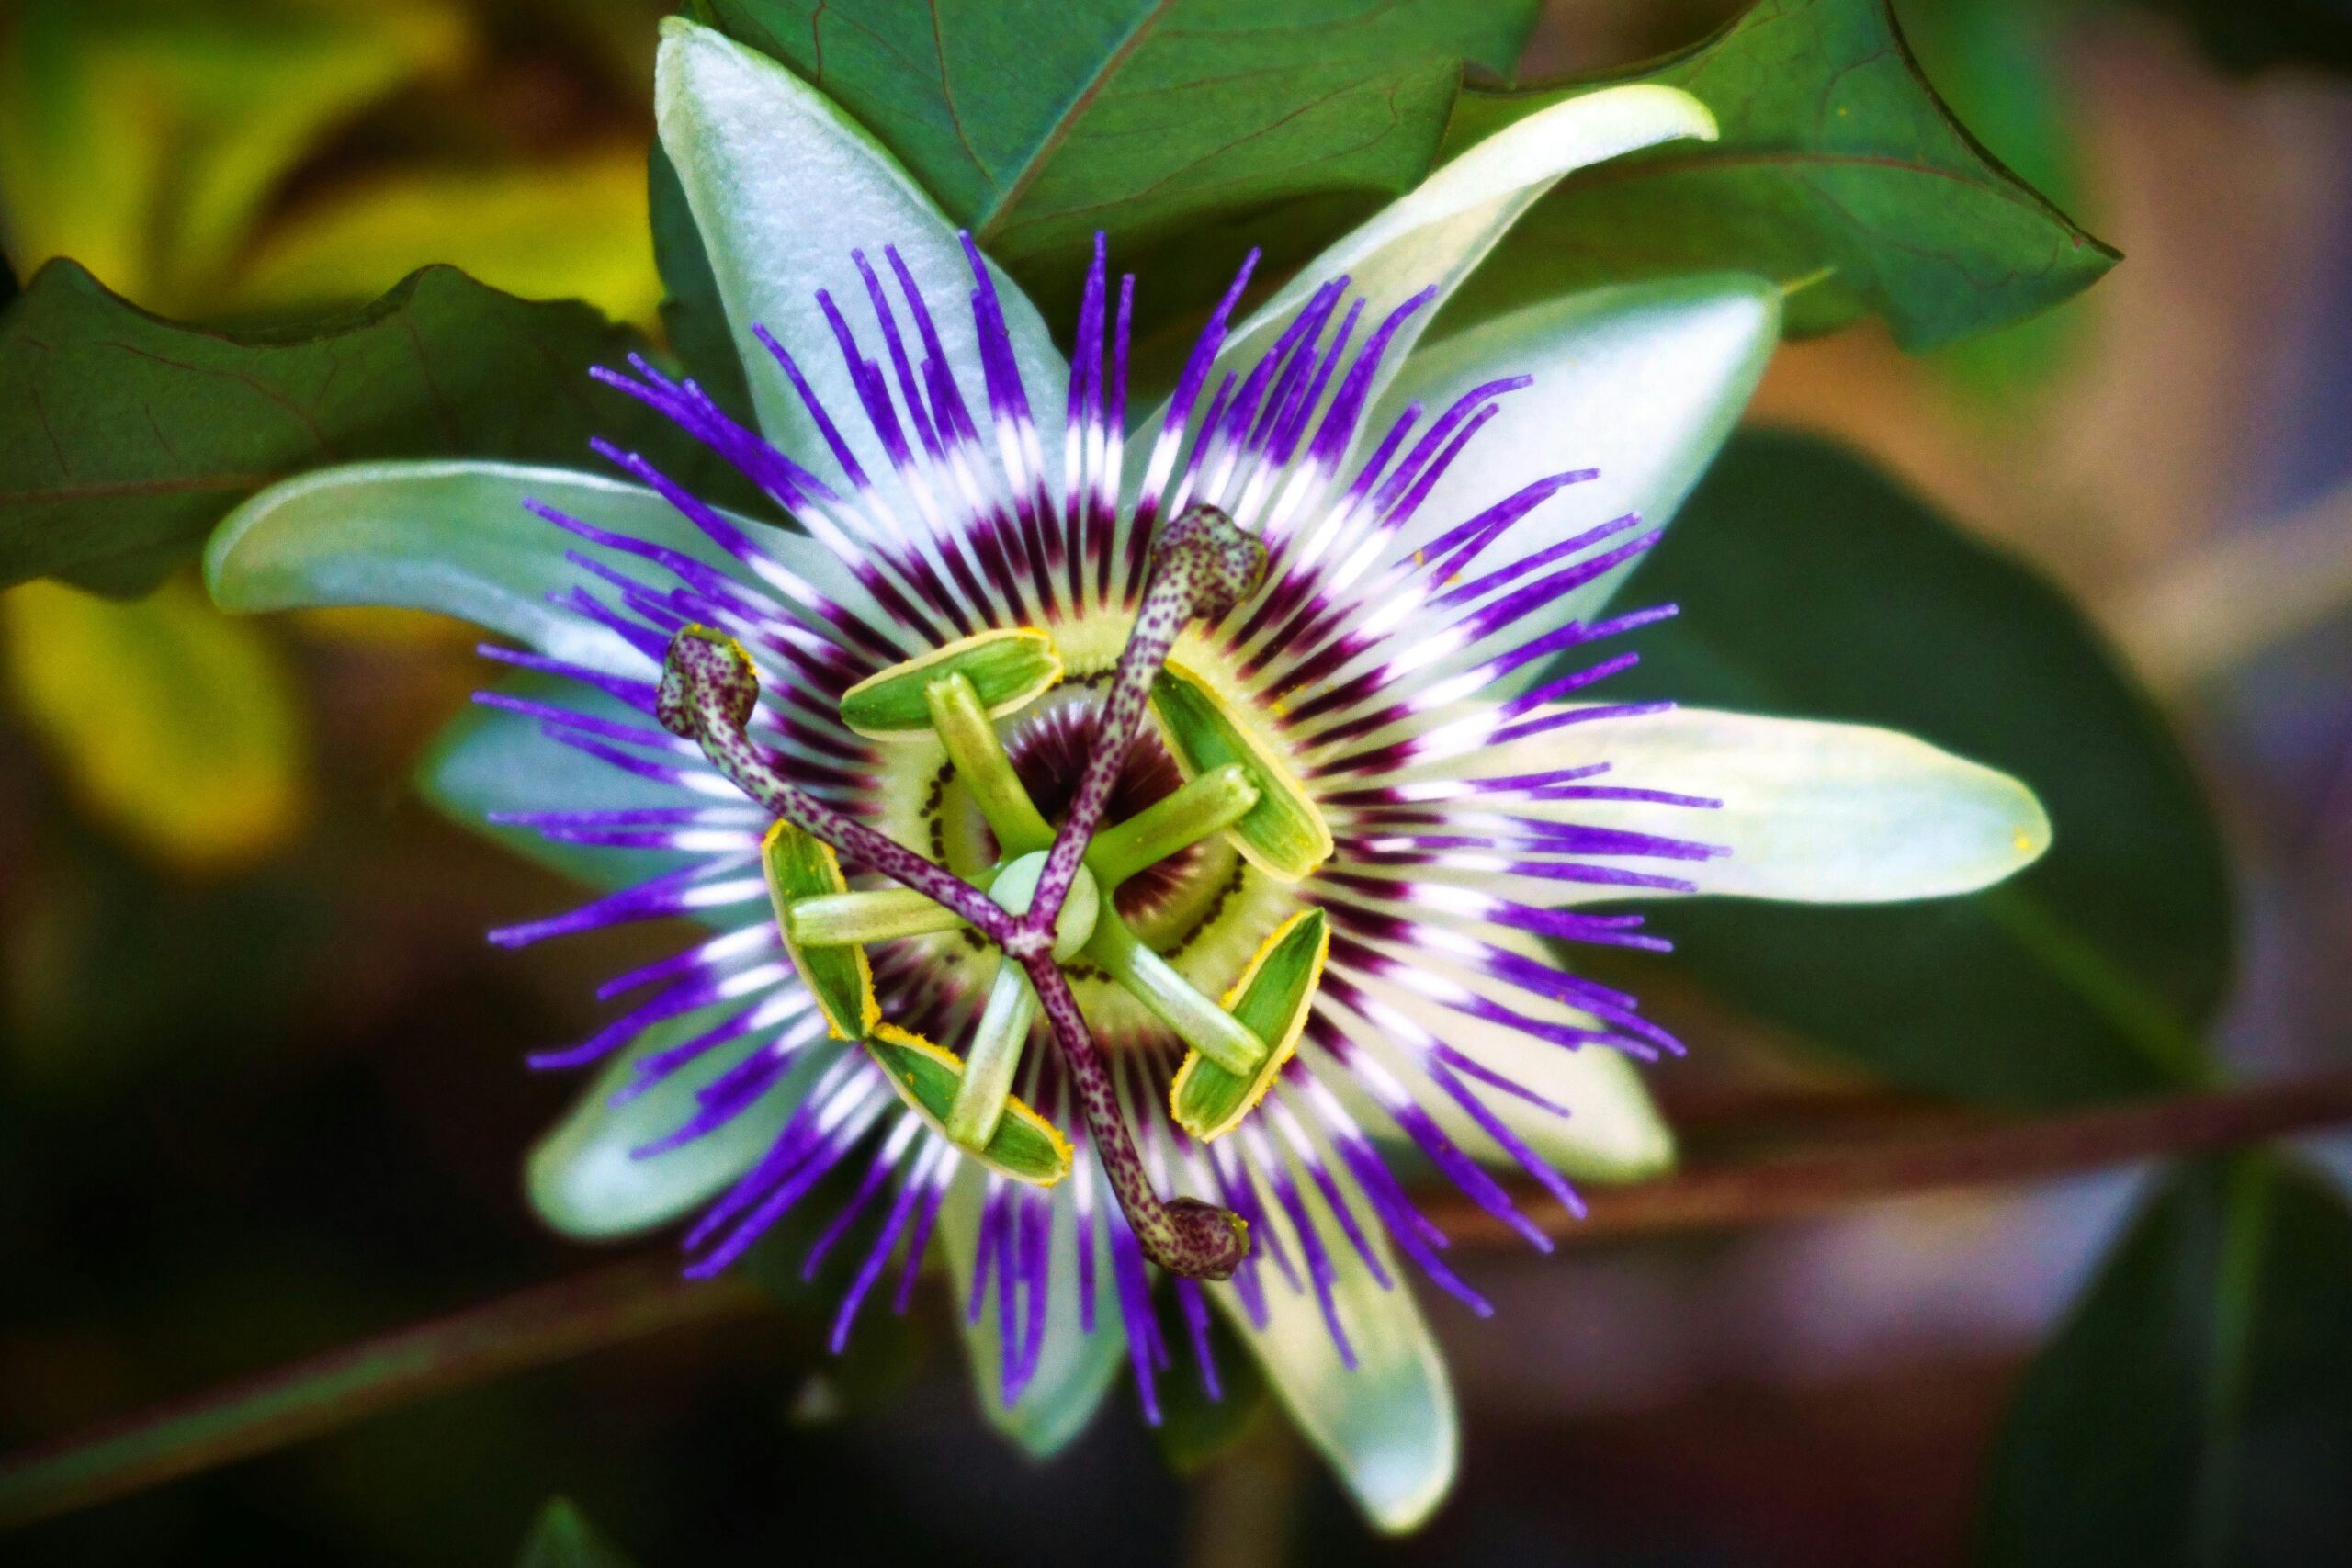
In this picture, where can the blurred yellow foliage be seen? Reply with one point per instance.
(156, 141)
(570, 227)
(174, 724)
(145, 142)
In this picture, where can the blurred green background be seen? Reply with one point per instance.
(260, 1079)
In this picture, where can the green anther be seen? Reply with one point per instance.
(797, 866)
(841, 919)
(994, 1057)
(965, 727)
(1285, 834)
(1206, 806)
(1153, 981)
(1271, 1000)
(1009, 668)
(1025, 1146)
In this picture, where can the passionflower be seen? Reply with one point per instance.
(1117, 840)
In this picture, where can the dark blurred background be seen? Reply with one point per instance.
(260, 1078)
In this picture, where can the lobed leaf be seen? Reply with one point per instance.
(1037, 122)
(124, 437)
(1840, 175)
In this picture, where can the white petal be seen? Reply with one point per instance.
(487, 761)
(583, 1177)
(784, 185)
(1812, 813)
(453, 537)
(1613, 1132)
(1437, 233)
(1075, 1369)
(1387, 1425)
(1642, 382)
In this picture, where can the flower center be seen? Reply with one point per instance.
(1040, 900)
(1049, 746)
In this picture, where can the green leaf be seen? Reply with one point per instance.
(1809, 585)
(2198, 1407)
(1999, 64)
(1035, 122)
(1840, 175)
(562, 1537)
(125, 436)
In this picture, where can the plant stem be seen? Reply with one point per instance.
(547, 1323)
(1766, 1190)
(625, 1300)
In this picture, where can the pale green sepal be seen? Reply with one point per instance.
(1833, 813)
(487, 761)
(784, 187)
(1437, 233)
(1811, 812)
(453, 537)
(583, 1177)
(1075, 1369)
(1284, 834)
(1388, 1426)
(450, 538)
(1642, 382)
(1613, 1132)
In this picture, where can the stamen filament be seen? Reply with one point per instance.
(709, 691)
(969, 734)
(1203, 807)
(993, 1058)
(1153, 981)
